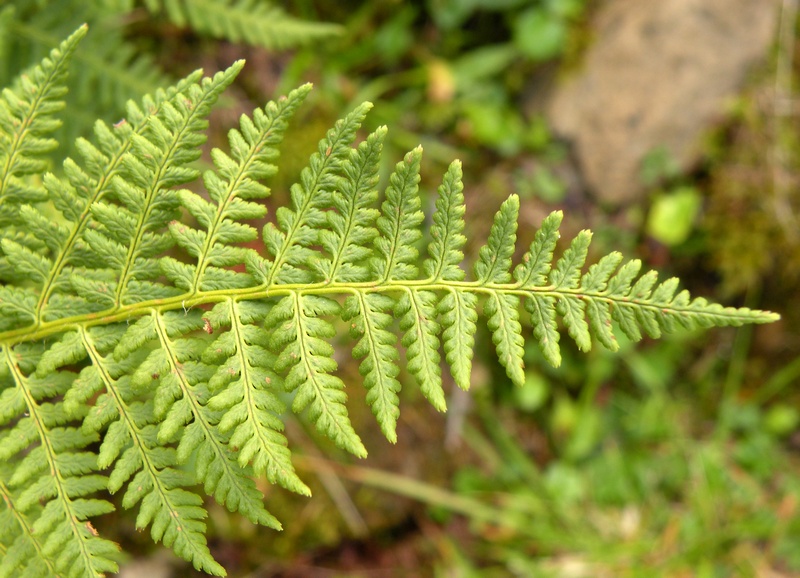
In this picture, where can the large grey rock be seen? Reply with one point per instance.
(658, 74)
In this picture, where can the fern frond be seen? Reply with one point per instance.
(26, 121)
(120, 323)
(24, 556)
(56, 472)
(250, 21)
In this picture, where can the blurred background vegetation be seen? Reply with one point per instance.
(671, 458)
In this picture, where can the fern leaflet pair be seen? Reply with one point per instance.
(126, 324)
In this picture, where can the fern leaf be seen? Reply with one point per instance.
(399, 222)
(494, 259)
(59, 473)
(79, 196)
(542, 309)
(181, 381)
(250, 21)
(24, 554)
(131, 446)
(371, 325)
(458, 317)
(184, 535)
(535, 265)
(245, 388)
(445, 250)
(232, 188)
(297, 228)
(417, 313)
(352, 224)
(169, 144)
(182, 378)
(26, 121)
(307, 359)
(567, 273)
(503, 314)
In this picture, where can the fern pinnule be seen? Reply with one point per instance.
(494, 258)
(371, 323)
(352, 222)
(297, 230)
(26, 123)
(399, 223)
(56, 471)
(306, 358)
(416, 310)
(445, 251)
(458, 314)
(22, 551)
(245, 390)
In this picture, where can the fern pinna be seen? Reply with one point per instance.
(138, 356)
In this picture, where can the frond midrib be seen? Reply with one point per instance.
(189, 300)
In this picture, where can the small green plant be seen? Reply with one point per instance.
(139, 356)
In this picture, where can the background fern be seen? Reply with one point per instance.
(116, 64)
(125, 323)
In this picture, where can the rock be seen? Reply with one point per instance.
(658, 75)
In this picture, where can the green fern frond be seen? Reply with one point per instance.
(251, 21)
(22, 551)
(114, 66)
(111, 68)
(26, 123)
(55, 470)
(123, 324)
